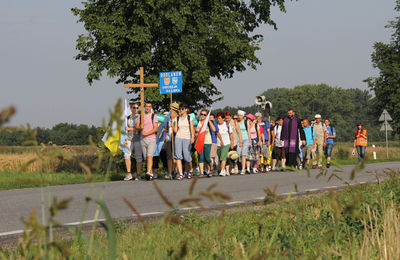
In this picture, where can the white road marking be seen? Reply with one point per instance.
(84, 222)
(234, 202)
(151, 213)
(11, 233)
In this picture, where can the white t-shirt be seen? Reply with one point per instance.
(224, 131)
(278, 129)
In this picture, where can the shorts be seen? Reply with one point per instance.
(244, 150)
(265, 151)
(279, 153)
(138, 151)
(213, 152)
(328, 150)
(205, 155)
(148, 147)
(253, 154)
(222, 152)
(307, 152)
(182, 149)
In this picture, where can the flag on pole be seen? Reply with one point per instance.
(118, 136)
(199, 146)
(124, 132)
(161, 133)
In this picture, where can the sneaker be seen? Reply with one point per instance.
(185, 174)
(190, 174)
(168, 177)
(198, 171)
(273, 169)
(209, 174)
(267, 169)
(255, 170)
(233, 171)
(222, 173)
(128, 177)
(248, 171)
(300, 167)
(155, 176)
(328, 165)
(242, 172)
(138, 178)
(149, 176)
(179, 177)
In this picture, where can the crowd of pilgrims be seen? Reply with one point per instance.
(234, 143)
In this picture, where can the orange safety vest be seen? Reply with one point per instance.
(361, 141)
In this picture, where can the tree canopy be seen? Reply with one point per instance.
(386, 57)
(205, 39)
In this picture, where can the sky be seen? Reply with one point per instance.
(317, 41)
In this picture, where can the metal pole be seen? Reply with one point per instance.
(387, 144)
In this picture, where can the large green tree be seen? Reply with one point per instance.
(386, 57)
(204, 38)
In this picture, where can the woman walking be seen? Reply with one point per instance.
(244, 143)
(204, 157)
(361, 141)
(227, 142)
(183, 127)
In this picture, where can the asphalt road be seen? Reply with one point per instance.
(15, 204)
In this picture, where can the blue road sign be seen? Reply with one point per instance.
(170, 81)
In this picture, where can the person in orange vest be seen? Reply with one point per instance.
(361, 141)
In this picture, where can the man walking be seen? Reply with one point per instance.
(320, 140)
(291, 131)
(310, 142)
(148, 141)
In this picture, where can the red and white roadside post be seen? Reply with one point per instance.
(374, 151)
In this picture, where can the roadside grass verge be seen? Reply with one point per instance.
(18, 180)
(360, 222)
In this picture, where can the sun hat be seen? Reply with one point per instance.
(250, 116)
(175, 106)
(318, 116)
(233, 155)
(241, 112)
(258, 114)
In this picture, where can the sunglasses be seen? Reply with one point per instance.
(235, 118)
(136, 107)
(182, 108)
(203, 114)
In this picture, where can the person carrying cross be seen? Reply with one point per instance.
(148, 137)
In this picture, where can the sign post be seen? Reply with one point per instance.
(171, 82)
(385, 117)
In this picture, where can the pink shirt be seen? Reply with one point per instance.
(148, 126)
(253, 132)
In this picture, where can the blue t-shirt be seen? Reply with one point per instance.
(214, 134)
(265, 126)
(310, 135)
(330, 132)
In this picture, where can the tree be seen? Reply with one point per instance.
(205, 39)
(386, 57)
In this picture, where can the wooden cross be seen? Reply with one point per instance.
(141, 85)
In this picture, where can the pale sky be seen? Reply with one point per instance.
(318, 41)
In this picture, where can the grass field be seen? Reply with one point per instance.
(361, 222)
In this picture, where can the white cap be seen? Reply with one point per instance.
(241, 112)
(318, 116)
(258, 114)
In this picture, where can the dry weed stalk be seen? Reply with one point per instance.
(140, 217)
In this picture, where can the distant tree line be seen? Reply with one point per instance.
(343, 107)
(60, 134)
